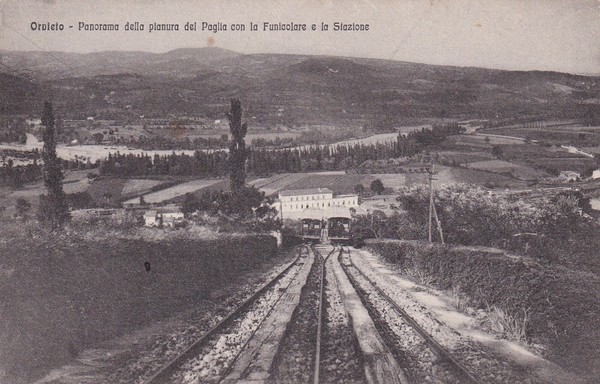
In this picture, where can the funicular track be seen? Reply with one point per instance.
(317, 360)
(166, 373)
(443, 355)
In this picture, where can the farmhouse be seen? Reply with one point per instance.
(318, 203)
(168, 216)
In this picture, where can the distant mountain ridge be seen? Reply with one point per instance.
(285, 89)
(65, 64)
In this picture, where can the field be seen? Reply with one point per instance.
(139, 186)
(75, 181)
(521, 172)
(344, 183)
(478, 141)
(279, 182)
(221, 185)
(175, 191)
(450, 175)
(527, 161)
(458, 157)
(547, 157)
(497, 139)
(338, 182)
(567, 133)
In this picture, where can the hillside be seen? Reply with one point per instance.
(290, 89)
(53, 65)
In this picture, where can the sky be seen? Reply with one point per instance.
(559, 35)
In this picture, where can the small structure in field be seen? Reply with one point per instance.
(169, 216)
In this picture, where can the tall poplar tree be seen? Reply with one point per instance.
(54, 208)
(237, 147)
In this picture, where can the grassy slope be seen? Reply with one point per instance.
(62, 293)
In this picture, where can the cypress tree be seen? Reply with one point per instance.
(237, 147)
(54, 208)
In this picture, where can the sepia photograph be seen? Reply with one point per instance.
(299, 191)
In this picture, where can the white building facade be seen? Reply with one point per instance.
(169, 216)
(317, 203)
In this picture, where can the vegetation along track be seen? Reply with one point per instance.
(208, 359)
(423, 358)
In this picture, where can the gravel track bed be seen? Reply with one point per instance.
(151, 353)
(484, 365)
(220, 351)
(294, 362)
(341, 357)
(411, 351)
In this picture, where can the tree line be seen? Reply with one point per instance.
(262, 161)
(16, 176)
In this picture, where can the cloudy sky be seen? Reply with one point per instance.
(561, 35)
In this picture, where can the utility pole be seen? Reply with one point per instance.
(431, 207)
(432, 210)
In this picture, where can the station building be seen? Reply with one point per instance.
(317, 203)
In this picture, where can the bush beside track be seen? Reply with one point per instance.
(563, 304)
(61, 294)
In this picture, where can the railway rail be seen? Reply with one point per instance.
(317, 363)
(164, 375)
(442, 353)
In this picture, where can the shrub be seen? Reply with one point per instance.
(548, 229)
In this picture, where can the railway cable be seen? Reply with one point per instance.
(317, 363)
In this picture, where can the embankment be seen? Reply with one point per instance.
(61, 294)
(563, 304)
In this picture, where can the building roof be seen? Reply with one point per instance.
(169, 209)
(299, 192)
